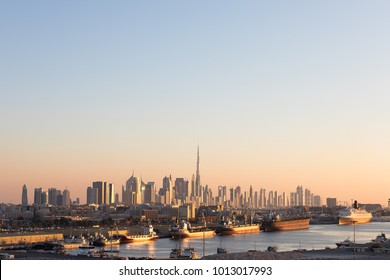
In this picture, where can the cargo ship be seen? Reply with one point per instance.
(185, 230)
(354, 215)
(229, 228)
(277, 223)
(147, 234)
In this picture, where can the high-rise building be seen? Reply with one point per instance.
(38, 196)
(251, 198)
(181, 188)
(167, 189)
(133, 192)
(66, 198)
(110, 196)
(197, 178)
(101, 191)
(92, 194)
(24, 196)
(317, 201)
(331, 202)
(149, 193)
(52, 196)
(44, 198)
(263, 198)
(105, 192)
(300, 198)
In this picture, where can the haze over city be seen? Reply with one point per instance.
(276, 95)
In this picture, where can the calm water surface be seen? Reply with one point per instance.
(316, 237)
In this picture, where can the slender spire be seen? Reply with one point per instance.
(197, 180)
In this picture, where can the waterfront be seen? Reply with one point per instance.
(316, 237)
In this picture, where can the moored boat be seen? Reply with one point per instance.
(185, 230)
(345, 243)
(101, 241)
(276, 223)
(147, 234)
(354, 215)
(186, 253)
(229, 228)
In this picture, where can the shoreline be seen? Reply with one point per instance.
(323, 254)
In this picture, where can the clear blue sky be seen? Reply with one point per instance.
(276, 93)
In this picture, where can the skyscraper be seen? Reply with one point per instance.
(38, 196)
(167, 189)
(197, 178)
(66, 198)
(149, 193)
(132, 194)
(24, 195)
(105, 192)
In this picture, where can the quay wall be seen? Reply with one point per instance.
(30, 238)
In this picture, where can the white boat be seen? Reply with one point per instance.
(185, 230)
(354, 215)
(381, 239)
(147, 234)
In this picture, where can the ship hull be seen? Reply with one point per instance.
(354, 220)
(238, 230)
(136, 238)
(296, 224)
(194, 234)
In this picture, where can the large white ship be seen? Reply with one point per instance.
(354, 215)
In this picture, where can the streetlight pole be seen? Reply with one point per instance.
(354, 240)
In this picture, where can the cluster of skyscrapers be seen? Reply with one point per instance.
(178, 192)
(52, 196)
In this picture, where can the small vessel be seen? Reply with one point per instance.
(185, 230)
(147, 234)
(354, 215)
(345, 243)
(277, 223)
(272, 248)
(381, 239)
(186, 253)
(222, 250)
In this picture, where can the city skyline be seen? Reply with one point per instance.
(276, 95)
(181, 192)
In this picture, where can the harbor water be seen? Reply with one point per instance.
(316, 237)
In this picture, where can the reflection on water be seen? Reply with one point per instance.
(316, 237)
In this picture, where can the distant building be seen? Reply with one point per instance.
(132, 194)
(331, 202)
(92, 195)
(44, 197)
(53, 194)
(66, 198)
(167, 189)
(38, 196)
(105, 192)
(24, 196)
(317, 201)
(149, 192)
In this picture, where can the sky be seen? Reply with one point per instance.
(275, 93)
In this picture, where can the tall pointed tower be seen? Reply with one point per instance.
(197, 179)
